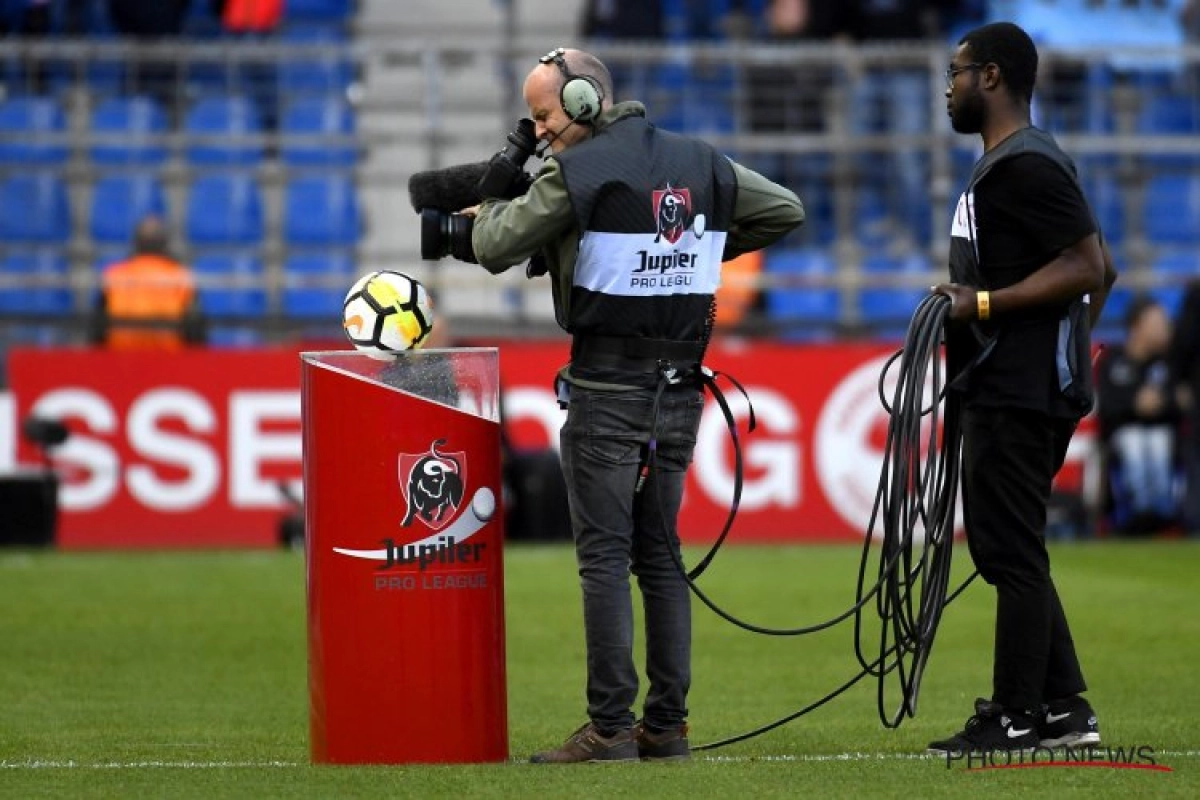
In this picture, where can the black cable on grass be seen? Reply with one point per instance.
(910, 533)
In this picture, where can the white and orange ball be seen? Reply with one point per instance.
(387, 312)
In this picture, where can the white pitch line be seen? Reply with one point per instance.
(828, 757)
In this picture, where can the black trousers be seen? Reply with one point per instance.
(1010, 457)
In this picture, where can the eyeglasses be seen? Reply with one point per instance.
(952, 73)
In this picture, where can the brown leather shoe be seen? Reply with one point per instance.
(586, 744)
(668, 745)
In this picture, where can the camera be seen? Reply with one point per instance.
(446, 234)
(438, 195)
(506, 176)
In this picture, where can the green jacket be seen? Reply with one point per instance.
(507, 232)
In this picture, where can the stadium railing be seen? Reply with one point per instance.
(816, 118)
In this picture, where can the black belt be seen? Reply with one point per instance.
(636, 354)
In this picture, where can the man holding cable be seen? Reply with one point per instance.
(1031, 274)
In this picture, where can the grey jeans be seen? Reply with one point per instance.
(618, 531)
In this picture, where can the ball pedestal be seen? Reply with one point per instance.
(404, 535)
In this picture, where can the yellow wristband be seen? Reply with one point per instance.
(983, 304)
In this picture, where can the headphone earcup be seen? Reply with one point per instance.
(581, 98)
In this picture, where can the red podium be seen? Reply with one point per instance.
(404, 557)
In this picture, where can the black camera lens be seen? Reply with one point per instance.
(445, 234)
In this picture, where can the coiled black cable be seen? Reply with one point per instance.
(914, 512)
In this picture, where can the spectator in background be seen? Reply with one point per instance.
(152, 21)
(27, 18)
(149, 300)
(1185, 378)
(624, 21)
(253, 20)
(789, 98)
(886, 98)
(1137, 420)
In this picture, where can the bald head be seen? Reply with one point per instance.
(544, 95)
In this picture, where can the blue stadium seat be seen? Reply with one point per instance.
(316, 117)
(231, 284)
(1167, 112)
(25, 122)
(321, 210)
(1112, 321)
(1172, 207)
(119, 201)
(801, 310)
(320, 10)
(1107, 200)
(212, 119)
(45, 213)
(1177, 264)
(326, 71)
(315, 284)
(224, 208)
(233, 336)
(42, 282)
(135, 126)
(888, 306)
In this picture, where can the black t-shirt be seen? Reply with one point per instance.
(1026, 211)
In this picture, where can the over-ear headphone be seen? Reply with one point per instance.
(581, 95)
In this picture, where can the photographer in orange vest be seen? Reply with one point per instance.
(149, 300)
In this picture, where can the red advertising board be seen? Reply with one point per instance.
(186, 450)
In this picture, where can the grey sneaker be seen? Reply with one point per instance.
(587, 745)
(1067, 723)
(662, 745)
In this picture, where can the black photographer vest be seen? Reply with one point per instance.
(653, 209)
(968, 348)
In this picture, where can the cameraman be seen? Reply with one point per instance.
(632, 223)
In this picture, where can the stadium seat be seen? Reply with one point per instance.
(892, 306)
(1107, 200)
(315, 284)
(317, 117)
(327, 70)
(41, 283)
(25, 125)
(233, 336)
(1177, 264)
(120, 201)
(1172, 206)
(321, 210)
(224, 208)
(209, 123)
(231, 284)
(45, 213)
(1112, 321)
(135, 127)
(319, 10)
(801, 310)
(1168, 112)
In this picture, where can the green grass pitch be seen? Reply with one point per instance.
(181, 675)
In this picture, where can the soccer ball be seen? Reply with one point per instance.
(387, 312)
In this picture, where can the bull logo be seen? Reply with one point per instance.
(433, 485)
(672, 212)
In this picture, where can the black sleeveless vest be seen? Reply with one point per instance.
(653, 209)
(966, 351)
